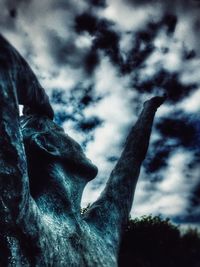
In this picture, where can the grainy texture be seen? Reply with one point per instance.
(42, 176)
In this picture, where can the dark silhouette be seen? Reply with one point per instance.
(42, 176)
(155, 242)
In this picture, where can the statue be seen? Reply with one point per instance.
(43, 172)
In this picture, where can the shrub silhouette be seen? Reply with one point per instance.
(156, 242)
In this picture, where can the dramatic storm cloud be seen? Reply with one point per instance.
(99, 61)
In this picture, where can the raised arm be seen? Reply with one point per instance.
(18, 84)
(112, 208)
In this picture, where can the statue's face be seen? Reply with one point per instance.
(46, 141)
(75, 159)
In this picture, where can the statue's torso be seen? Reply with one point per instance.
(68, 243)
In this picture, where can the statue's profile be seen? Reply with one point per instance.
(43, 172)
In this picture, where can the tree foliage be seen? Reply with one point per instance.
(156, 242)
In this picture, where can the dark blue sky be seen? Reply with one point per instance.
(99, 61)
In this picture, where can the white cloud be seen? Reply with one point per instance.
(169, 197)
(116, 112)
(171, 60)
(128, 17)
(192, 103)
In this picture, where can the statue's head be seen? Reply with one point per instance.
(46, 143)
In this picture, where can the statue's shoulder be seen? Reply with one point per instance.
(8, 54)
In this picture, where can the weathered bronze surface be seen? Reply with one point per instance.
(42, 176)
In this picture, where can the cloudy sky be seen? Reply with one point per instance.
(99, 61)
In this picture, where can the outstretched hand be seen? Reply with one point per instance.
(156, 101)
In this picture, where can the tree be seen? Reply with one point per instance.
(155, 242)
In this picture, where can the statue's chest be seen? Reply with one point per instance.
(61, 245)
(87, 247)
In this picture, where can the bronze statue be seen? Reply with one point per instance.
(42, 176)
